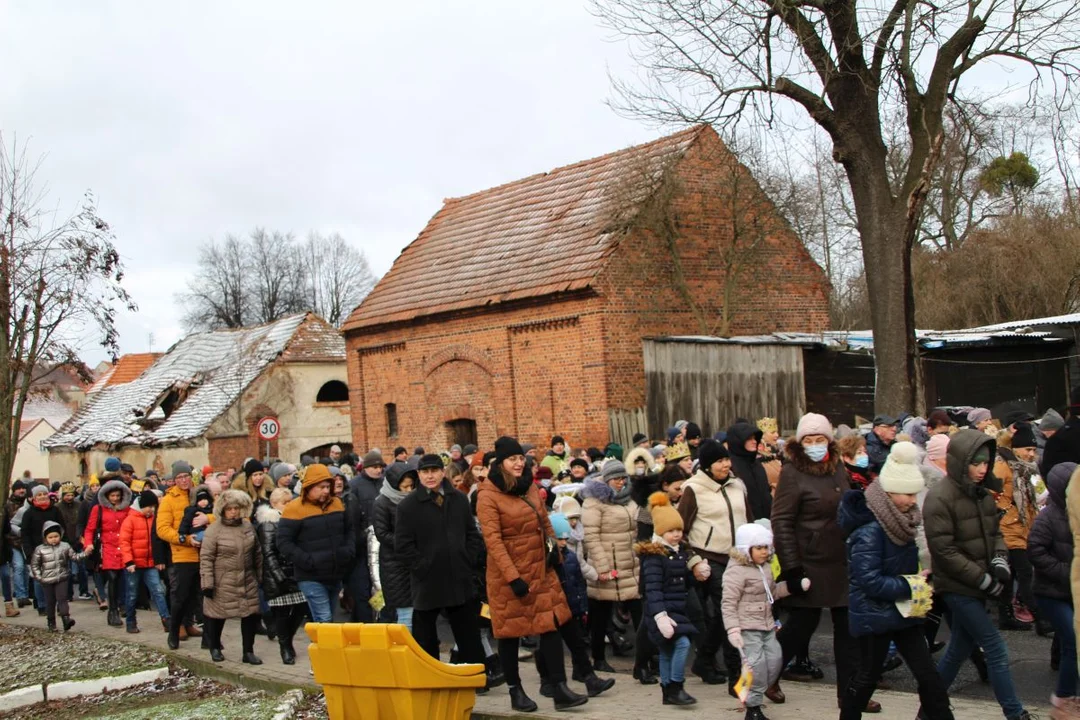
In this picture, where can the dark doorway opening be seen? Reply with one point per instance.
(461, 432)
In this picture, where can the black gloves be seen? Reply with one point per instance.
(794, 578)
(990, 586)
(520, 587)
(554, 557)
(999, 568)
(208, 593)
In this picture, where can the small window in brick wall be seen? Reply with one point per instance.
(333, 391)
(391, 420)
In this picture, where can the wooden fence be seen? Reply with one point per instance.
(624, 424)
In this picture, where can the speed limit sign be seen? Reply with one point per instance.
(269, 428)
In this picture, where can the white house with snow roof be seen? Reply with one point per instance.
(202, 401)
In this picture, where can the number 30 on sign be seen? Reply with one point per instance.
(269, 428)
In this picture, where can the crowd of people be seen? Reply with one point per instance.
(727, 547)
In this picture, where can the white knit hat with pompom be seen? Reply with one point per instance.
(901, 473)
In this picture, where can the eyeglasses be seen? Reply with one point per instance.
(182, 476)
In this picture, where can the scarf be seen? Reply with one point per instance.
(1023, 490)
(899, 526)
(623, 496)
(395, 496)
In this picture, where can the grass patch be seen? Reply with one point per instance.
(221, 708)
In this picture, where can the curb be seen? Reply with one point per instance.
(207, 669)
(34, 694)
(288, 705)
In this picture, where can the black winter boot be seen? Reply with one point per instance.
(594, 685)
(495, 676)
(547, 689)
(520, 701)
(707, 671)
(676, 695)
(755, 713)
(565, 698)
(52, 625)
(1007, 619)
(114, 618)
(288, 655)
(644, 675)
(67, 622)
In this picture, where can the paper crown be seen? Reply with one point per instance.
(677, 452)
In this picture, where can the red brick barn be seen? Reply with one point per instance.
(520, 309)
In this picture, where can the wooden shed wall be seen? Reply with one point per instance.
(1026, 377)
(713, 383)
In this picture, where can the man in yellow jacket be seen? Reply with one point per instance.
(184, 572)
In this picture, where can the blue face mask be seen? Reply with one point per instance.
(816, 453)
(862, 461)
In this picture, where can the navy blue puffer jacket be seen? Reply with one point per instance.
(875, 565)
(665, 582)
(573, 583)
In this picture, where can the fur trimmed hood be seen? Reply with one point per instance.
(650, 548)
(639, 454)
(231, 498)
(596, 488)
(793, 451)
(125, 499)
(266, 513)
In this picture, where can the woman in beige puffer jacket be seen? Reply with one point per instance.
(610, 520)
(230, 569)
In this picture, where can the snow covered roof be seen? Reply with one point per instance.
(864, 339)
(180, 395)
(1020, 325)
(54, 411)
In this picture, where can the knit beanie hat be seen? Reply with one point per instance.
(506, 447)
(814, 424)
(612, 470)
(112, 464)
(692, 431)
(557, 440)
(1052, 420)
(709, 452)
(569, 507)
(181, 467)
(937, 447)
(316, 473)
(38, 490)
(901, 472)
(613, 450)
(253, 466)
(672, 433)
(560, 525)
(752, 535)
(203, 493)
(978, 415)
(373, 458)
(1024, 437)
(639, 438)
(664, 516)
(148, 499)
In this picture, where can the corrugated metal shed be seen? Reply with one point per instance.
(180, 395)
(481, 249)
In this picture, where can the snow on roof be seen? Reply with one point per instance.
(54, 411)
(180, 395)
(1073, 319)
(864, 339)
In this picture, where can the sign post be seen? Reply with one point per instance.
(269, 428)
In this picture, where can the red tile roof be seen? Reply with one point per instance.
(131, 366)
(315, 341)
(25, 426)
(481, 249)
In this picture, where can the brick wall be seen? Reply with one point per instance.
(559, 365)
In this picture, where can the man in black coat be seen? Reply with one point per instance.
(742, 442)
(437, 537)
(1064, 445)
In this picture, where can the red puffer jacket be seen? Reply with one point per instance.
(112, 519)
(136, 534)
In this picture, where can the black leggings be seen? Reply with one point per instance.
(214, 626)
(1023, 574)
(600, 612)
(287, 620)
(550, 654)
(115, 584)
(911, 644)
(574, 636)
(801, 624)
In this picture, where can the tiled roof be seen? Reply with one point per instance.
(25, 426)
(481, 249)
(315, 341)
(212, 369)
(54, 411)
(126, 369)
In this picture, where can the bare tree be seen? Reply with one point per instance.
(338, 276)
(269, 275)
(60, 278)
(849, 65)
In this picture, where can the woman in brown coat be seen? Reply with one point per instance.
(810, 544)
(523, 590)
(230, 569)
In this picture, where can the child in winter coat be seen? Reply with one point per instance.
(883, 569)
(50, 565)
(666, 577)
(749, 593)
(144, 558)
(204, 503)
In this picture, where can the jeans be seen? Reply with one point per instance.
(971, 627)
(1060, 615)
(5, 581)
(152, 580)
(764, 656)
(19, 575)
(464, 623)
(911, 644)
(404, 617)
(78, 573)
(39, 594)
(673, 656)
(321, 598)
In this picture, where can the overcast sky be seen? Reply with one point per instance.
(192, 120)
